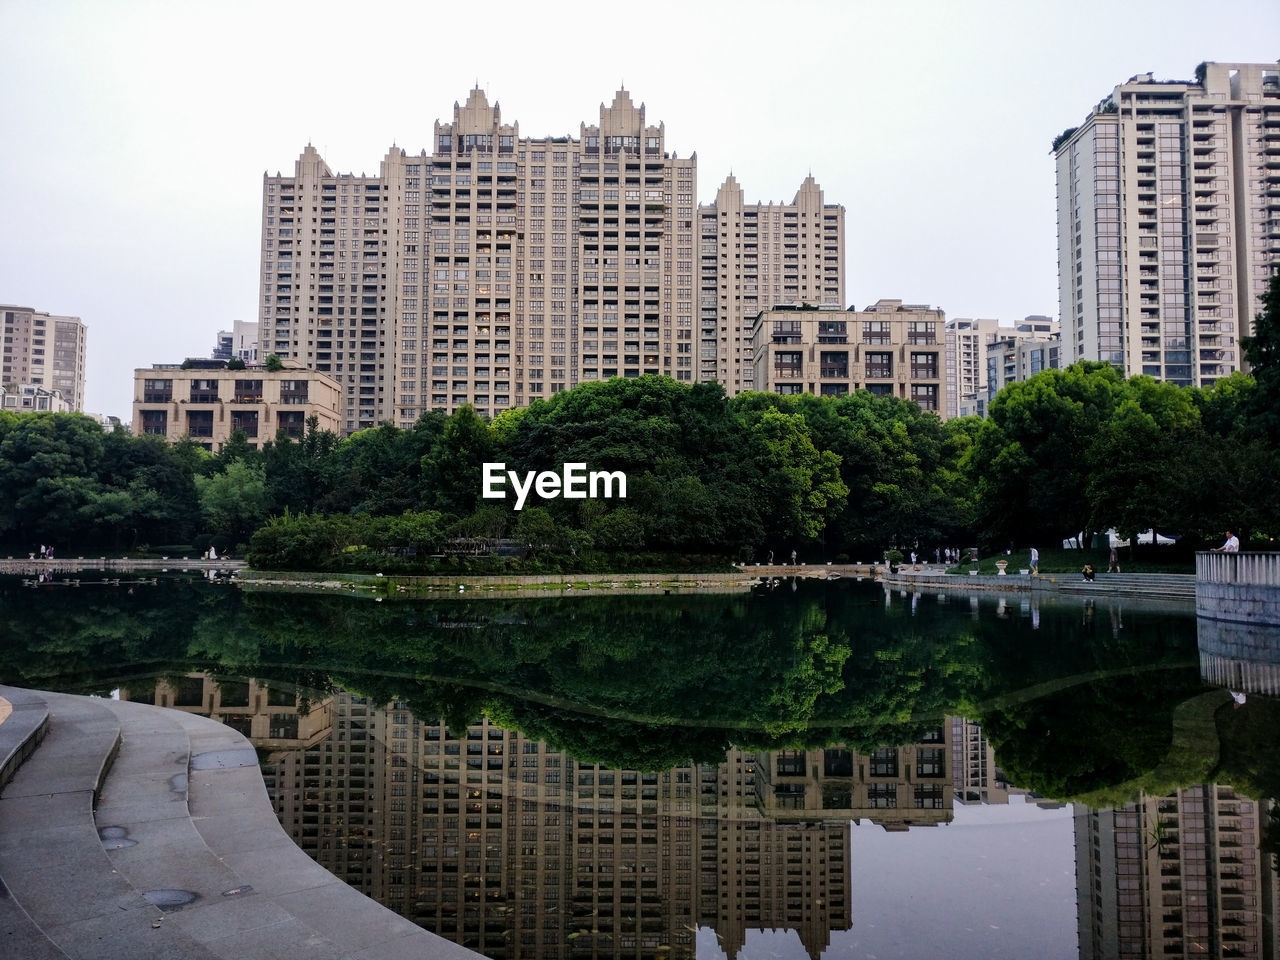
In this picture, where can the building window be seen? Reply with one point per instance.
(246, 420)
(248, 391)
(200, 423)
(924, 366)
(835, 365)
(157, 391)
(882, 795)
(204, 391)
(879, 366)
(884, 762)
(926, 395)
(832, 331)
(155, 421)
(788, 364)
(922, 332)
(876, 332)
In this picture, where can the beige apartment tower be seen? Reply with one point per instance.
(44, 351)
(493, 272)
(498, 269)
(1169, 221)
(753, 257)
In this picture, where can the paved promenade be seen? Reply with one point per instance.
(139, 832)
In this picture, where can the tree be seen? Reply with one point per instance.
(273, 362)
(1030, 461)
(235, 502)
(1262, 353)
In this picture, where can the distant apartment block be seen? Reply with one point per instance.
(1169, 221)
(890, 349)
(1015, 355)
(756, 256)
(44, 351)
(206, 401)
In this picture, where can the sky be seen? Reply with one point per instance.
(134, 135)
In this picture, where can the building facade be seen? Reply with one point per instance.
(1169, 221)
(28, 398)
(756, 256)
(890, 349)
(498, 269)
(45, 352)
(208, 402)
(1015, 355)
(492, 272)
(966, 362)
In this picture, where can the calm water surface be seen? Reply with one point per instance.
(817, 769)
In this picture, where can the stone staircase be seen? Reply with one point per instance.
(1146, 586)
(134, 831)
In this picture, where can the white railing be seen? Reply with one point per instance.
(1252, 569)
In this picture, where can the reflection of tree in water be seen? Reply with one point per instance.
(645, 682)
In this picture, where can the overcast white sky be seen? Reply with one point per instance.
(134, 135)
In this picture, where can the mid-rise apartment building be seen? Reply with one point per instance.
(756, 256)
(44, 351)
(28, 398)
(1014, 355)
(890, 349)
(207, 401)
(966, 360)
(1169, 221)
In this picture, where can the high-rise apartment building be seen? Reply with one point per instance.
(756, 256)
(44, 351)
(1169, 221)
(498, 269)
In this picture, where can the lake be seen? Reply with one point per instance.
(807, 769)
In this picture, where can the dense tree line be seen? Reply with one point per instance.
(1081, 449)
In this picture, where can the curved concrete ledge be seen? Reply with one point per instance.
(25, 723)
(181, 857)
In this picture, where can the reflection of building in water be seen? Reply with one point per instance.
(975, 778)
(272, 716)
(515, 850)
(1176, 876)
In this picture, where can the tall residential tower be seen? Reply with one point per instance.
(1169, 221)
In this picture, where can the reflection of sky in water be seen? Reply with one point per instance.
(999, 881)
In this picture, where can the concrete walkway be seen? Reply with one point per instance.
(135, 831)
(1160, 587)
